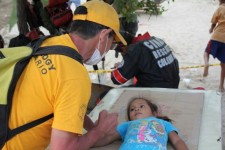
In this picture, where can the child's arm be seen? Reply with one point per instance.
(212, 28)
(177, 142)
(108, 139)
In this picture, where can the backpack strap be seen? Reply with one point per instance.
(35, 44)
(56, 49)
(27, 126)
(60, 50)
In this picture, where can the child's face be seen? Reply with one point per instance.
(139, 109)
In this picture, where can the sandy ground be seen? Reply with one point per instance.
(5, 10)
(184, 26)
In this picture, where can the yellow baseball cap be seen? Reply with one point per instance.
(104, 14)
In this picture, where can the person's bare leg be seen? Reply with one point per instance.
(206, 65)
(222, 77)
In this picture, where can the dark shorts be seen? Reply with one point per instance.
(216, 49)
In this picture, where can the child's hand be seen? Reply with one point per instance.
(210, 30)
(116, 65)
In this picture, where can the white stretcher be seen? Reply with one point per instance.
(196, 113)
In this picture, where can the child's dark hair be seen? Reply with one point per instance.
(153, 107)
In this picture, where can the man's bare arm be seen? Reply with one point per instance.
(71, 141)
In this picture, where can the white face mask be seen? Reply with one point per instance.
(96, 56)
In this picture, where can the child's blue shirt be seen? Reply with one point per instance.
(147, 133)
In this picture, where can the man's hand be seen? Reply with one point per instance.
(106, 127)
(106, 123)
(88, 124)
(116, 65)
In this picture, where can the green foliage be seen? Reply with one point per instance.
(44, 2)
(13, 17)
(151, 7)
(128, 8)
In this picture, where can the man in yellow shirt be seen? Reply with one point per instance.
(60, 85)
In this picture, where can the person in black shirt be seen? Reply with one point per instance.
(1, 42)
(151, 61)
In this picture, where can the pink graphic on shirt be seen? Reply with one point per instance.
(144, 134)
(141, 133)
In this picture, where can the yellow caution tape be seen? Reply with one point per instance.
(188, 67)
(199, 66)
(100, 71)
